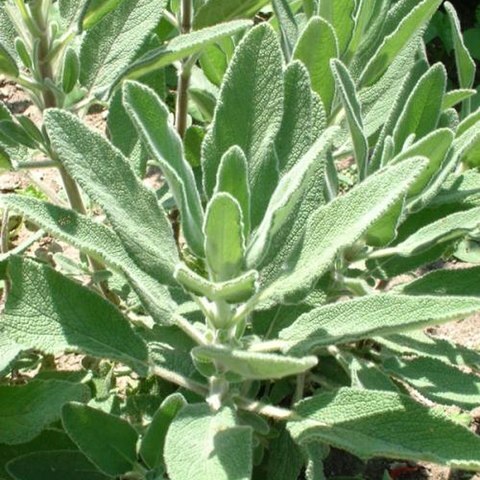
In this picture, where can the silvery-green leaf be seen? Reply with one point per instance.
(285, 459)
(317, 60)
(394, 43)
(232, 178)
(95, 10)
(213, 445)
(9, 351)
(150, 116)
(70, 70)
(249, 115)
(449, 119)
(253, 365)
(106, 176)
(372, 315)
(454, 97)
(8, 65)
(288, 26)
(386, 424)
(224, 240)
(464, 188)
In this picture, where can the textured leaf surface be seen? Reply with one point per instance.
(249, 114)
(213, 446)
(113, 43)
(9, 351)
(108, 441)
(104, 173)
(340, 14)
(255, 365)
(52, 313)
(25, 410)
(340, 223)
(369, 316)
(384, 424)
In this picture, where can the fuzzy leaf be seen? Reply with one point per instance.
(27, 409)
(454, 97)
(384, 424)
(213, 445)
(249, 115)
(382, 314)
(8, 65)
(107, 440)
(104, 173)
(111, 45)
(9, 351)
(150, 116)
(317, 60)
(252, 365)
(49, 312)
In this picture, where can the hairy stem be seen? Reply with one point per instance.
(179, 380)
(5, 234)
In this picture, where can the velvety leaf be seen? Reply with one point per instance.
(254, 365)
(213, 445)
(111, 45)
(464, 188)
(107, 440)
(454, 97)
(438, 381)
(47, 311)
(394, 43)
(249, 115)
(9, 351)
(340, 223)
(54, 465)
(224, 240)
(96, 10)
(27, 409)
(150, 116)
(153, 442)
(183, 46)
(340, 15)
(372, 315)
(285, 460)
(104, 173)
(288, 26)
(317, 60)
(384, 424)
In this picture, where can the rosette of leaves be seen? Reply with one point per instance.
(249, 308)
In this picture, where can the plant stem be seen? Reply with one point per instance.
(277, 413)
(179, 380)
(5, 234)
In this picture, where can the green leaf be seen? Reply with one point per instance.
(317, 60)
(99, 242)
(104, 173)
(153, 442)
(465, 64)
(288, 26)
(454, 97)
(285, 460)
(232, 178)
(394, 43)
(214, 63)
(107, 440)
(438, 381)
(8, 66)
(52, 313)
(111, 45)
(27, 409)
(224, 240)
(70, 70)
(249, 115)
(183, 46)
(348, 95)
(384, 424)
(150, 116)
(213, 445)
(96, 11)
(286, 198)
(217, 11)
(9, 351)
(16, 134)
(365, 317)
(253, 365)
(54, 465)
(339, 224)
(422, 109)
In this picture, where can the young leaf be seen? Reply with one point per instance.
(104, 173)
(454, 97)
(111, 45)
(317, 60)
(67, 315)
(249, 115)
(288, 26)
(96, 10)
(107, 440)
(348, 94)
(232, 178)
(213, 445)
(150, 116)
(27, 409)
(8, 66)
(394, 43)
(54, 465)
(70, 70)
(254, 365)
(340, 223)
(224, 240)
(153, 442)
(365, 317)
(386, 424)
(183, 46)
